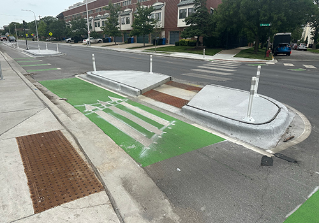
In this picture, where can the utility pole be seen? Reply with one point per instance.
(26, 40)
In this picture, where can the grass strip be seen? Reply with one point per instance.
(187, 49)
(250, 53)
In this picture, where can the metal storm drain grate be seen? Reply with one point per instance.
(184, 86)
(166, 98)
(55, 171)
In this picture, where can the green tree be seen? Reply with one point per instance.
(58, 29)
(200, 22)
(247, 15)
(314, 23)
(42, 29)
(111, 27)
(78, 27)
(143, 23)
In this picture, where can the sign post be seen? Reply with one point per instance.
(266, 25)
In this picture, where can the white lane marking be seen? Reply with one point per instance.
(175, 91)
(58, 68)
(290, 213)
(317, 172)
(288, 64)
(224, 64)
(314, 191)
(216, 68)
(213, 78)
(211, 72)
(146, 114)
(309, 66)
(125, 128)
(137, 120)
(221, 65)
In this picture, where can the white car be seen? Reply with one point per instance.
(302, 46)
(93, 40)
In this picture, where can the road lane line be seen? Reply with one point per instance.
(288, 64)
(309, 66)
(146, 114)
(125, 128)
(137, 120)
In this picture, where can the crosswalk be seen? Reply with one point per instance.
(304, 65)
(214, 71)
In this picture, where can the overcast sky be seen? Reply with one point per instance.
(10, 10)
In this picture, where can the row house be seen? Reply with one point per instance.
(170, 14)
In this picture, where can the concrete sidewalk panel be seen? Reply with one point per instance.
(15, 197)
(132, 83)
(92, 208)
(224, 112)
(36, 122)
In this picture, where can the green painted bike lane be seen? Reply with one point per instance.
(147, 135)
(308, 212)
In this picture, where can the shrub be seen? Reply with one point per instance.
(183, 42)
(317, 46)
(176, 43)
(192, 43)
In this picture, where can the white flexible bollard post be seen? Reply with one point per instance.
(94, 67)
(204, 53)
(257, 81)
(17, 44)
(151, 64)
(57, 47)
(248, 118)
(46, 46)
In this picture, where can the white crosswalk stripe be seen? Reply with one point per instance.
(216, 68)
(288, 64)
(211, 72)
(207, 77)
(309, 66)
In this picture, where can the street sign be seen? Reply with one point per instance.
(265, 24)
(50, 33)
(27, 35)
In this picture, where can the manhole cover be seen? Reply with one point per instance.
(55, 171)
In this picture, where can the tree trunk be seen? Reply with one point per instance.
(256, 44)
(197, 42)
(144, 40)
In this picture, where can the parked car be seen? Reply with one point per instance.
(50, 39)
(302, 46)
(69, 40)
(3, 38)
(283, 48)
(93, 40)
(294, 46)
(12, 39)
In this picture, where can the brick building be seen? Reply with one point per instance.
(170, 14)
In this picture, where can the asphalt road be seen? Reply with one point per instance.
(223, 182)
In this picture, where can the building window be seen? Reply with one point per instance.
(142, 0)
(123, 20)
(97, 24)
(128, 2)
(190, 11)
(182, 13)
(128, 20)
(103, 23)
(211, 11)
(157, 16)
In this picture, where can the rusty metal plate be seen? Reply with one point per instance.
(55, 171)
(184, 86)
(166, 98)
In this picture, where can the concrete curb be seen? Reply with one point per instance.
(263, 136)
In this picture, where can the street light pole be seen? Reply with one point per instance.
(87, 19)
(36, 27)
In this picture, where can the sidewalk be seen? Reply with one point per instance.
(31, 173)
